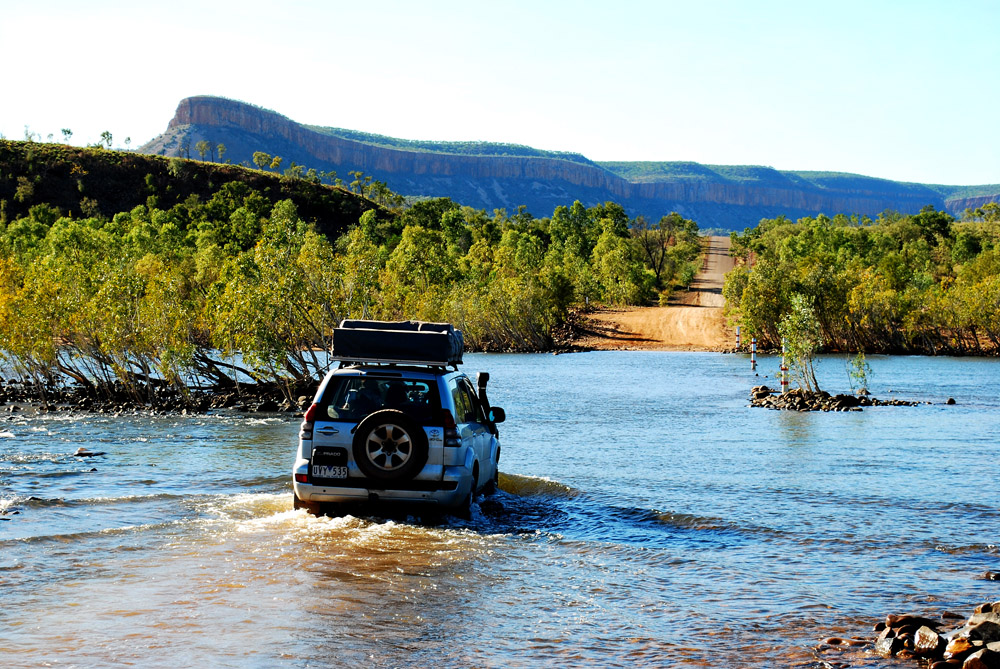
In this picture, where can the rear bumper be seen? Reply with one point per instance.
(450, 491)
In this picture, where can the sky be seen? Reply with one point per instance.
(902, 90)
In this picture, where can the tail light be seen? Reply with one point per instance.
(306, 429)
(450, 429)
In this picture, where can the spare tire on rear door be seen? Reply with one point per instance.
(390, 446)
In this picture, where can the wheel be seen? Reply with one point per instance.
(389, 446)
(311, 507)
(464, 510)
(494, 483)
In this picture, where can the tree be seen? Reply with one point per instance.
(67, 133)
(276, 163)
(801, 331)
(933, 223)
(221, 148)
(360, 183)
(619, 273)
(859, 373)
(106, 139)
(654, 240)
(202, 147)
(261, 160)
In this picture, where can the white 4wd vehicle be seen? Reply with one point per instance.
(393, 424)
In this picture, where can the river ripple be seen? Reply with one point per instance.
(647, 517)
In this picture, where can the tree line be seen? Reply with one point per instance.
(923, 283)
(206, 295)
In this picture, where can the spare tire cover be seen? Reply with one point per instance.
(389, 446)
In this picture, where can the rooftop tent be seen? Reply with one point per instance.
(398, 341)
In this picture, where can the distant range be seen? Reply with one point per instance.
(489, 175)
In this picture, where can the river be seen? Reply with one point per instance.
(647, 517)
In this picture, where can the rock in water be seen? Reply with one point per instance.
(927, 642)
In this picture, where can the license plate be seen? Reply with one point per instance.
(328, 472)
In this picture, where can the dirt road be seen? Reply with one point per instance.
(693, 321)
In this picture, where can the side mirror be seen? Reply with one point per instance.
(497, 415)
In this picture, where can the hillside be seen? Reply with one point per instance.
(93, 181)
(488, 175)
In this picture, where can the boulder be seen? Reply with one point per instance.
(927, 642)
(983, 627)
(268, 405)
(908, 620)
(888, 646)
(983, 658)
(958, 648)
(846, 401)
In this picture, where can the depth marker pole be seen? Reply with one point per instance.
(784, 369)
(753, 353)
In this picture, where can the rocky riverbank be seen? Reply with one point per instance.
(804, 400)
(948, 642)
(17, 396)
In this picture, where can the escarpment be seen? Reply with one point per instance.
(717, 196)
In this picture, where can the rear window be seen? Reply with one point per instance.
(350, 398)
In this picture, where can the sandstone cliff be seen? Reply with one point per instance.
(728, 198)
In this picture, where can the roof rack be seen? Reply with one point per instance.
(354, 361)
(398, 342)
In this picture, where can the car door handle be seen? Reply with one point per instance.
(328, 430)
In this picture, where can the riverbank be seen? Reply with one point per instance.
(18, 396)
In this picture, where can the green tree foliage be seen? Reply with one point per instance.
(859, 372)
(202, 148)
(361, 183)
(800, 331)
(921, 283)
(261, 160)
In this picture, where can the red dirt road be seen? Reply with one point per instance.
(693, 322)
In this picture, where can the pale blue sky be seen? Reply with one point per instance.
(900, 90)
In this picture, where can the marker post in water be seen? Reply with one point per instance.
(753, 353)
(737, 337)
(784, 369)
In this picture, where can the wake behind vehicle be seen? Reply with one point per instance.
(397, 423)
